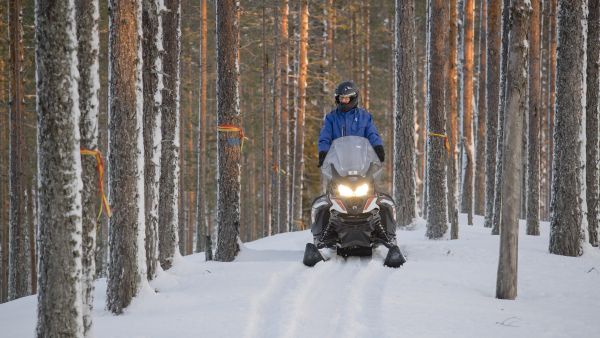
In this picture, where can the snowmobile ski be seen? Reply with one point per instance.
(394, 258)
(312, 255)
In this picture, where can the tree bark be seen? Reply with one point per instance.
(284, 131)
(87, 15)
(404, 126)
(494, 44)
(592, 116)
(468, 100)
(59, 309)
(533, 146)
(17, 255)
(436, 168)
(168, 208)
(479, 187)
(516, 108)
(153, 87)
(228, 146)
(567, 200)
(127, 265)
(452, 120)
(267, 230)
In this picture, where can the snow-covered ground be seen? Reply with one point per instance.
(446, 289)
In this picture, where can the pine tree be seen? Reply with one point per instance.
(59, 310)
(452, 129)
(467, 184)
(567, 200)
(479, 187)
(127, 263)
(87, 15)
(533, 150)
(404, 129)
(592, 116)
(168, 211)
(516, 100)
(284, 131)
(436, 168)
(18, 273)
(153, 87)
(229, 141)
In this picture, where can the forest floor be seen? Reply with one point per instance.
(446, 289)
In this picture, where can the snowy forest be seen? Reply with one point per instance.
(135, 133)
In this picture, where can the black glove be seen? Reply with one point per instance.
(380, 153)
(322, 155)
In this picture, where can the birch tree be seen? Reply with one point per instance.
(404, 126)
(168, 208)
(229, 140)
(87, 15)
(59, 309)
(566, 231)
(516, 101)
(127, 261)
(436, 168)
(153, 87)
(592, 116)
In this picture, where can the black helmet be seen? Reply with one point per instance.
(346, 88)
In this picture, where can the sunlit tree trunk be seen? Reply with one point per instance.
(479, 187)
(568, 204)
(284, 132)
(452, 129)
(468, 100)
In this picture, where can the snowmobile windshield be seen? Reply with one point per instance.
(351, 156)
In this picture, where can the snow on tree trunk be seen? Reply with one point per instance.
(17, 255)
(452, 129)
(404, 129)
(501, 114)
(59, 310)
(494, 43)
(229, 142)
(479, 187)
(535, 109)
(127, 261)
(153, 87)
(467, 184)
(592, 116)
(87, 13)
(168, 211)
(567, 205)
(436, 152)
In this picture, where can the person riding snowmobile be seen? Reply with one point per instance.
(347, 119)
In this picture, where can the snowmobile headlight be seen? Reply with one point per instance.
(345, 191)
(361, 190)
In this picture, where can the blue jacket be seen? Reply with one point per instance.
(355, 122)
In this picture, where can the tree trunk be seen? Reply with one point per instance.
(229, 142)
(468, 99)
(452, 119)
(533, 147)
(516, 108)
(265, 133)
(168, 209)
(479, 187)
(404, 129)
(87, 15)
(367, 60)
(501, 113)
(436, 153)
(552, 94)
(284, 132)
(567, 200)
(153, 87)
(59, 309)
(592, 115)
(275, 127)
(494, 44)
(17, 274)
(127, 265)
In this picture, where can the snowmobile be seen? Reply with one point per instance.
(352, 217)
